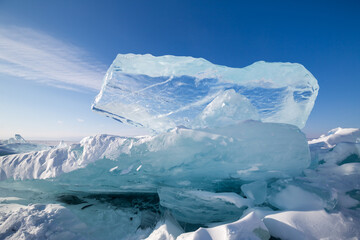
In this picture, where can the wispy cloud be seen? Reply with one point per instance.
(80, 120)
(32, 55)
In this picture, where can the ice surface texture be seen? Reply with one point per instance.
(168, 91)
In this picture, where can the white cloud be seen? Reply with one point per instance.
(80, 120)
(36, 56)
(60, 122)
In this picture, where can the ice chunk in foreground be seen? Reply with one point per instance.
(167, 91)
(295, 198)
(256, 191)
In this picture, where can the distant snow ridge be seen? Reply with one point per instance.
(19, 145)
(338, 135)
(163, 92)
(336, 146)
(53, 162)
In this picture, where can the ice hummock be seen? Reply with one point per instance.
(53, 162)
(163, 92)
(179, 158)
(332, 188)
(18, 144)
(17, 139)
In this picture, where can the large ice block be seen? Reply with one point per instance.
(248, 151)
(167, 91)
(209, 160)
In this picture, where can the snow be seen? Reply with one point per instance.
(292, 198)
(335, 165)
(56, 161)
(249, 227)
(38, 221)
(338, 135)
(167, 229)
(311, 225)
(163, 92)
(336, 146)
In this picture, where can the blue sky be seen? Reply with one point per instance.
(53, 54)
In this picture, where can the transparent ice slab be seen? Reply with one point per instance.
(168, 91)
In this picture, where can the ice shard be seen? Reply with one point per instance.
(168, 91)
